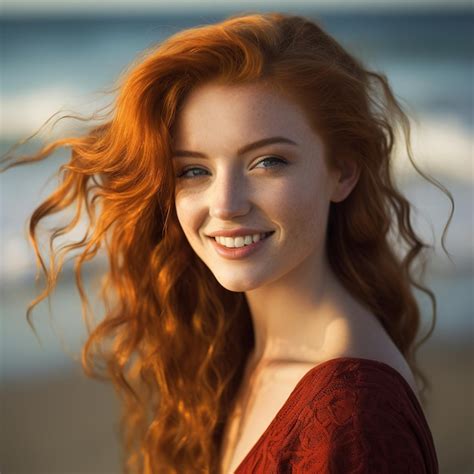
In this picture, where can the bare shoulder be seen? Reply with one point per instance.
(363, 336)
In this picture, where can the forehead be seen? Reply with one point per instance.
(253, 110)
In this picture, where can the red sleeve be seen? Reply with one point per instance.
(359, 431)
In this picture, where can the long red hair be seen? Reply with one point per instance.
(173, 341)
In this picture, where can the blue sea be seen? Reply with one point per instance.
(65, 64)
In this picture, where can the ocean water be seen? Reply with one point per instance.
(48, 65)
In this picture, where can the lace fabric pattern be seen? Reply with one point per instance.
(346, 416)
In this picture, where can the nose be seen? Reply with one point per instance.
(229, 196)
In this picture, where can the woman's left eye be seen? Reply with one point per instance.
(279, 162)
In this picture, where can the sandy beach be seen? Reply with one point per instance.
(66, 423)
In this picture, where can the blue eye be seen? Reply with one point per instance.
(184, 172)
(279, 162)
(274, 159)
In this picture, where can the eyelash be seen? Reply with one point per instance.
(280, 161)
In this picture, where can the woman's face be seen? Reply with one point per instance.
(283, 186)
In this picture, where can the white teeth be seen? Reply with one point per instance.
(239, 241)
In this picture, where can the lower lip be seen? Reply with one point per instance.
(240, 252)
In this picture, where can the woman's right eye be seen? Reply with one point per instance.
(184, 172)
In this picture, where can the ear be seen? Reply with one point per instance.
(345, 179)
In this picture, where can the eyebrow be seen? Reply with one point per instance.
(245, 149)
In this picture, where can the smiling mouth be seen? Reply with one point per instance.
(266, 235)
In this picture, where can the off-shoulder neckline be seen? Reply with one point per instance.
(324, 365)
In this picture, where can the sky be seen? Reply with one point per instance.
(29, 7)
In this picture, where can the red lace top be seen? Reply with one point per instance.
(346, 416)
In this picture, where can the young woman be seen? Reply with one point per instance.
(263, 318)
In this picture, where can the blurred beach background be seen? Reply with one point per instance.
(62, 56)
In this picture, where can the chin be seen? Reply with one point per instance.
(237, 285)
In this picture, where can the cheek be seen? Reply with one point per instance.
(302, 208)
(186, 211)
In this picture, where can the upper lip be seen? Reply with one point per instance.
(237, 232)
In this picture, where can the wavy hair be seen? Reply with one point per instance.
(173, 341)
